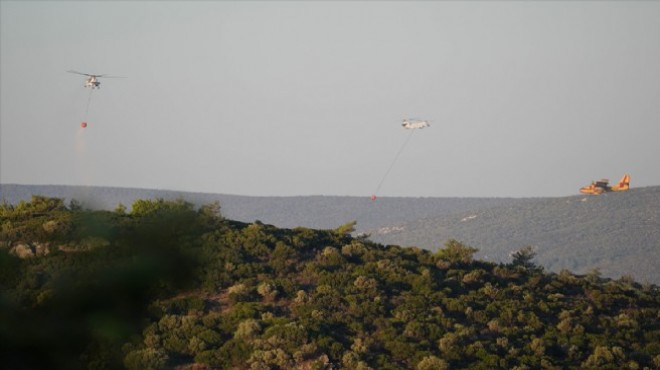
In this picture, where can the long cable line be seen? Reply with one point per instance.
(89, 100)
(396, 157)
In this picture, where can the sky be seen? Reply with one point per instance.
(276, 98)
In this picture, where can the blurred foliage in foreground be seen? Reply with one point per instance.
(164, 285)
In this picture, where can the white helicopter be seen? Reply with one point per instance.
(92, 80)
(415, 123)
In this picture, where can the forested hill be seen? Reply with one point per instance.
(164, 285)
(617, 233)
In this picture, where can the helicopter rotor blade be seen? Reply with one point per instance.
(95, 76)
(80, 73)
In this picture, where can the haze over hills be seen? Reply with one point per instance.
(321, 212)
(617, 233)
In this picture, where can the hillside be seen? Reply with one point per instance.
(617, 233)
(168, 286)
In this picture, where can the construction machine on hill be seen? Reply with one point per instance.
(601, 186)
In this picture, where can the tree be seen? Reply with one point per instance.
(432, 363)
(41, 204)
(143, 207)
(267, 290)
(211, 209)
(600, 357)
(121, 209)
(247, 329)
(457, 252)
(524, 257)
(346, 229)
(146, 359)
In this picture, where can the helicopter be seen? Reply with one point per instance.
(415, 123)
(92, 80)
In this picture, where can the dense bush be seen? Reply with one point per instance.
(167, 286)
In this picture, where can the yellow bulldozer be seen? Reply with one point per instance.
(602, 186)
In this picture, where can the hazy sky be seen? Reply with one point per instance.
(299, 98)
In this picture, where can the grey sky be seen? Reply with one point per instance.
(300, 98)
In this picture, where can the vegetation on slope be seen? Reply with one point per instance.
(170, 286)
